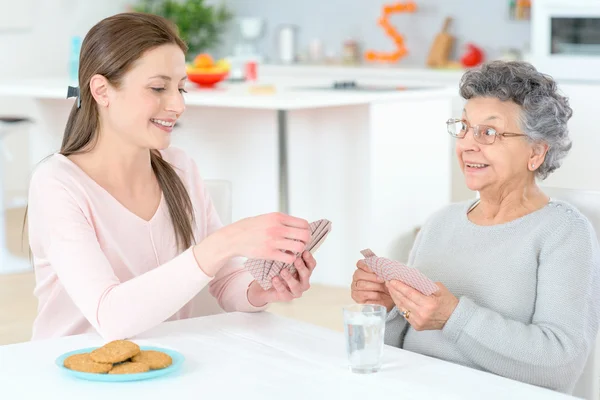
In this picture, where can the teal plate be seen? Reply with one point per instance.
(177, 357)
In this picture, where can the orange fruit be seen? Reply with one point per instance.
(203, 61)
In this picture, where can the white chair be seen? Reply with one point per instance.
(220, 193)
(588, 202)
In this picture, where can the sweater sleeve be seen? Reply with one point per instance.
(62, 234)
(552, 350)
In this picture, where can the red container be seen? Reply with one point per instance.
(251, 71)
(208, 79)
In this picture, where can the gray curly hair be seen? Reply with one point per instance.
(544, 112)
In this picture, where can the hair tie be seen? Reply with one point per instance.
(74, 92)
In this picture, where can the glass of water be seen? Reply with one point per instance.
(364, 326)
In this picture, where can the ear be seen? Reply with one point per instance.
(537, 156)
(99, 88)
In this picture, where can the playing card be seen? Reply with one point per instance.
(320, 241)
(264, 271)
(368, 253)
(319, 237)
(257, 268)
(315, 228)
(393, 270)
(321, 227)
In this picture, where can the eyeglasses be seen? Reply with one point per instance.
(483, 134)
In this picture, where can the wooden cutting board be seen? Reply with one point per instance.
(441, 47)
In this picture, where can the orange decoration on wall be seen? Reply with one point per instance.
(390, 31)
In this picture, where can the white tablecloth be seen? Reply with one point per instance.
(253, 356)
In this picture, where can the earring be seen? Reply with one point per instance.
(532, 165)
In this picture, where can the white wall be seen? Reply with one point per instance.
(41, 50)
(45, 48)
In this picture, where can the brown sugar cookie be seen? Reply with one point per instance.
(154, 359)
(129, 368)
(84, 363)
(115, 352)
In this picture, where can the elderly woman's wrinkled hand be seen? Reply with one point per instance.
(423, 312)
(366, 287)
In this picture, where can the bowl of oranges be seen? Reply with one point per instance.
(205, 72)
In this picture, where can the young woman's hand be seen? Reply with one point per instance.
(287, 286)
(273, 236)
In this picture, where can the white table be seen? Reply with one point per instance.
(254, 356)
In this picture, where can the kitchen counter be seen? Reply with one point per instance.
(273, 93)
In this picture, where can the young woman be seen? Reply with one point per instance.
(122, 231)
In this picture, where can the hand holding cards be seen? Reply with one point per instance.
(265, 270)
(393, 270)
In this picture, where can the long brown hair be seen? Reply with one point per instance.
(109, 49)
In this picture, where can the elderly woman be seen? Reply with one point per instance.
(518, 273)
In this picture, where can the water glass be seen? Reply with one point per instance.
(364, 327)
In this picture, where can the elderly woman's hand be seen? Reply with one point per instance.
(423, 312)
(366, 287)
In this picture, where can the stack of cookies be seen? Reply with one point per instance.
(118, 357)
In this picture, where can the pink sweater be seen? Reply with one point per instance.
(101, 268)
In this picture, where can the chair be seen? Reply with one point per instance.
(588, 203)
(220, 193)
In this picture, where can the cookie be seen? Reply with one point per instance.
(154, 359)
(129, 368)
(84, 363)
(115, 352)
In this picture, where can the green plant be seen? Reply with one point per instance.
(200, 25)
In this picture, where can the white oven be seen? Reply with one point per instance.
(565, 38)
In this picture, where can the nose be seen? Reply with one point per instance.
(176, 103)
(468, 143)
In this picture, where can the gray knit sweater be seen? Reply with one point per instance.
(528, 290)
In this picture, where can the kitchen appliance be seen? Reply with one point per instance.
(250, 30)
(566, 38)
(245, 51)
(287, 43)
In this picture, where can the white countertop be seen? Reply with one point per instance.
(384, 71)
(286, 96)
